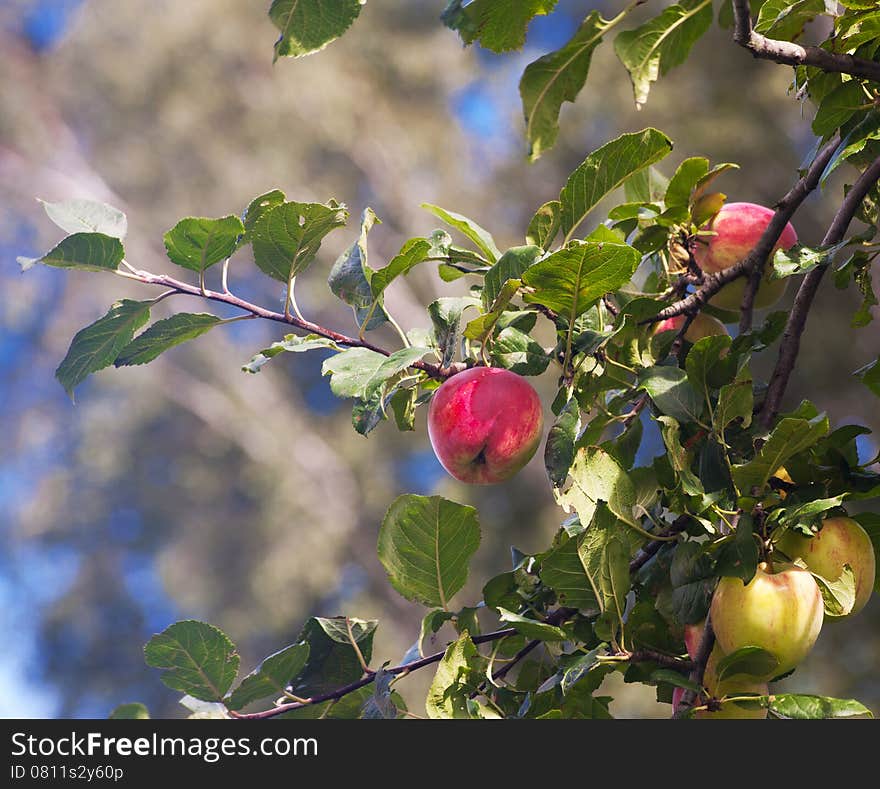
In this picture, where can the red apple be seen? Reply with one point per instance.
(840, 541)
(485, 424)
(701, 326)
(779, 610)
(737, 228)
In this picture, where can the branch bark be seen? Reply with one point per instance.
(696, 676)
(177, 286)
(792, 54)
(785, 210)
(797, 319)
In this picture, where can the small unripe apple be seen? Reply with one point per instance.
(839, 542)
(737, 228)
(485, 424)
(701, 326)
(780, 610)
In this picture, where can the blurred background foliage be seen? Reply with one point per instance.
(192, 490)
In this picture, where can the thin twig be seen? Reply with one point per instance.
(785, 209)
(797, 319)
(176, 286)
(796, 54)
(647, 552)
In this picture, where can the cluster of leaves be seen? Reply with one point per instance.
(648, 51)
(715, 498)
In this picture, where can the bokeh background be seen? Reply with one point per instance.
(188, 489)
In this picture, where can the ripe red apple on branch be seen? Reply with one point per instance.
(737, 228)
(840, 541)
(485, 424)
(780, 610)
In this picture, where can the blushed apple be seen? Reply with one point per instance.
(701, 326)
(737, 228)
(485, 424)
(780, 610)
(839, 542)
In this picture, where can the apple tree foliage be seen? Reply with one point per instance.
(640, 547)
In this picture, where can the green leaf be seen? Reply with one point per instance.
(596, 476)
(739, 558)
(85, 251)
(605, 555)
(307, 26)
(544, 225)
(648, 185)
(196, 658)
(517, 351)
(572, 280)
(709, 364)
(87, 216)
(352, 370)
(683, 181)
(286, 238)
(605, 169)
(481, 327)
(425, 543)
(652, 49)
(196, 243)
(562, 571)
(259, 206)
(165, 334)
(693, 582)
(580, 668)
(446, 316)
(481, 237)
(559, 449)
(97, 346)
(292, 343)
(839, 594)
(411, 254)
(838, 107)
(869, 375)
(784, 19)
(133, 711)
(532, 628)
(555, 78)
(499, 25)
(790, 436)
(804, 707)
(459, 674)
(679, 458)
(672, 393)
(511, 265)
(351, 277)
(332, 660)
(271, 677)
(751, 661)
(800, 259)
(735, 401)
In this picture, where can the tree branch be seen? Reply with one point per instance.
(176, 286)
(792, 54)
(699, 668)
(785, 209)
(647, 552)
(797, 319)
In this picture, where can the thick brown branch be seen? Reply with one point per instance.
(797, 319)
(792, 54)
(699, 668)
(433, 370)
(785, 209)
